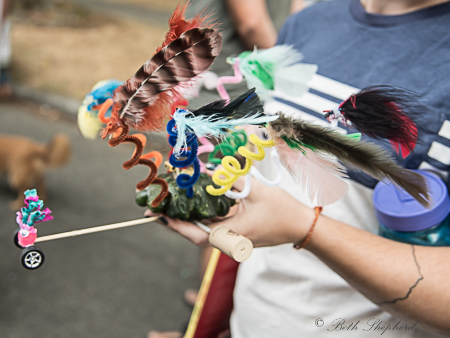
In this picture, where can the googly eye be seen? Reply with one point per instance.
(24, 233)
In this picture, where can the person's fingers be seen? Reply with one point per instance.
(252, 185)
(161, 220)
(233, 210)
(149, 213)
(188, 230)
(240, 183)
(231, 223)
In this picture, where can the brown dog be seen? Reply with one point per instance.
(25, 161)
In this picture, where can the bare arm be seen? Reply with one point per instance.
(253, 23)
(411, 282)
(297, 6)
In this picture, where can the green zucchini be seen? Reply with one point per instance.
(178, 205)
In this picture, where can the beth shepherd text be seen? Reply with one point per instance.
(373, 324)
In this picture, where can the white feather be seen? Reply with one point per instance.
(293, 80)
(202, 126)
(315, 172)
(193, 88)
(272, 60)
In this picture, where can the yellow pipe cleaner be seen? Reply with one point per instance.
(232, 169)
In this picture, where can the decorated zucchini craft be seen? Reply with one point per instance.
(314, 155)
(177, 205)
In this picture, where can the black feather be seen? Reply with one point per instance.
(384, 112)
(248, 104)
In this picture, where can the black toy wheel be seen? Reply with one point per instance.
(32, 258)
(16, 239)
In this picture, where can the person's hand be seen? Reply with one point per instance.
(268, 216)
(186, 229)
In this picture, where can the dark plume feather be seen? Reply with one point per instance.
(363, 156)
(247, 104)
(384, 112)
(144, 100)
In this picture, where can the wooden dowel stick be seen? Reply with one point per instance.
(203, 293)
(96, 229)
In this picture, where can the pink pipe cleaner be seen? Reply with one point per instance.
(237, 78)
(206, 147)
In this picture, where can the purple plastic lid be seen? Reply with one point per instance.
(397, 210)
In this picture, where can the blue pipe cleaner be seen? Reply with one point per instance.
(185, 181)
(100, 94)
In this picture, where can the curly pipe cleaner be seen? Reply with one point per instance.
(156, 155)
(103, 109)
(185, 181)
(237, 78)
(136, 159)
(232, 169)
(206, 147)
(256, 174)
(229, 146)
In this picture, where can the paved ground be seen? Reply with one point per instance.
(119, 283)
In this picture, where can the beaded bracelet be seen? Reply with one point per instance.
(302, 244)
